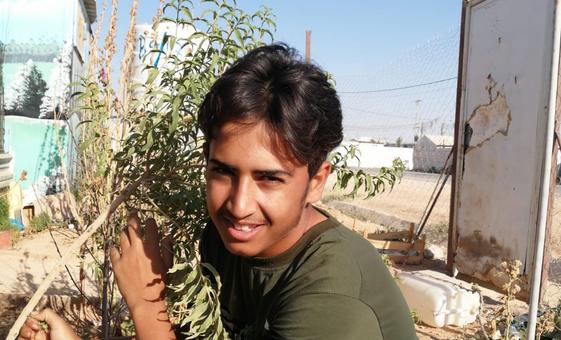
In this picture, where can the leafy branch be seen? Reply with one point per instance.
(362, 181)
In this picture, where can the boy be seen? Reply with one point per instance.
(288, 269)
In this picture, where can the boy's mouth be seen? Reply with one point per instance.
(244, 227)
(242, 230)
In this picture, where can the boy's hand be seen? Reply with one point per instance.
(57, 328)
(140, 269)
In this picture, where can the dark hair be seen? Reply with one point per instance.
(294, 98)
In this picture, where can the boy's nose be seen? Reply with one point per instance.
(241, 202)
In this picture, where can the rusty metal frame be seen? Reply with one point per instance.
(458, 136)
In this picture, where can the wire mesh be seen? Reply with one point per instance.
(405, 109)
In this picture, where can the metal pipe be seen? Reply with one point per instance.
(546, 177)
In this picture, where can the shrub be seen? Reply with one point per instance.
(40, 222)
(5, 214)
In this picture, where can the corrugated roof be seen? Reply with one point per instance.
(91, 9)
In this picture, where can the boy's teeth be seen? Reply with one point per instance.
(245, 228)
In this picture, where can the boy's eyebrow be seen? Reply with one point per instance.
(274, 173)
(264, 172)
(219, 163)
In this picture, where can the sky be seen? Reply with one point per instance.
(371, 46)
(348, 37)
(394, 62)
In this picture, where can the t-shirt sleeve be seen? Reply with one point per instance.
(324, 316)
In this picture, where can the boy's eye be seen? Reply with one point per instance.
(272, 179)
(221, 171)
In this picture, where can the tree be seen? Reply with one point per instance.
(57, 95)
(26, 91)
(34, 90)
(398, 142)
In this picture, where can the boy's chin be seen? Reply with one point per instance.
(242, 250)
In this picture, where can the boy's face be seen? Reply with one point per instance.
(257, 199)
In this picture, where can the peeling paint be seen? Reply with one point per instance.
(488, 121)
(481, 257)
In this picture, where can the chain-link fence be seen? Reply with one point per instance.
(405, 109)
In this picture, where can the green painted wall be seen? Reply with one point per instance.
(33, 143)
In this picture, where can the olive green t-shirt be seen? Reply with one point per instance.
(332, 284)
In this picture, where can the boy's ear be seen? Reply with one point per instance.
(317, 182)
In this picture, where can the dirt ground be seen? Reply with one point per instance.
(26, 265)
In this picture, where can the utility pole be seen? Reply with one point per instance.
(308, 46)
(418, 124)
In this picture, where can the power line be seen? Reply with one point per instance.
(376, 113)
(392, 126)
(399, 88)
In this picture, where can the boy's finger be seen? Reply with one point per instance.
(134, 229)
(26, 332)
(46, 315)
(152, 238)
(124, 240)
(41, 335)
(115, 256)
(32, 323)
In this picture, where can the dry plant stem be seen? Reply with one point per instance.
(480, 318)
(94, 39)
(67, 193)
(70, 252)
(128, 55)
(158, 16)
(109, 45)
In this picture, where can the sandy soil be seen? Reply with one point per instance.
(26, 265)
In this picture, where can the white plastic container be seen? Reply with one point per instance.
(438, 302)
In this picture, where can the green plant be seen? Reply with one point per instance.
(361, 180)
(5, 214)
(5, 224)
(40, 222)
(415, 316)
(148, 139)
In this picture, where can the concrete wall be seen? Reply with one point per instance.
(377, 155)
(428, 157)
(33, 144)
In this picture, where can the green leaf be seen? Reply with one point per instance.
(149, 141)
(152, 76)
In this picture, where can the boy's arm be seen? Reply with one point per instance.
(140, 272)
(151, 321)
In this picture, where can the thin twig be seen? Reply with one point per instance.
(68, 271)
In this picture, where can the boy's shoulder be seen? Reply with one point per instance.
(339, 261)
(332, 269)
